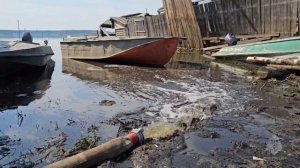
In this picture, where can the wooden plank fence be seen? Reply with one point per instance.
(246, 17)
(217, 18)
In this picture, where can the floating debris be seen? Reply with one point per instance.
(107, 103)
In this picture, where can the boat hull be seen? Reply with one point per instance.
(143, 51)
(11, 68)
(268, 48)
(18, 57)
(26, 53)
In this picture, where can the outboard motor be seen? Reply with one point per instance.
(230, 39)
(27, 37)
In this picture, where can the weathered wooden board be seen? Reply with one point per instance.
(182, 22)
(248, 17)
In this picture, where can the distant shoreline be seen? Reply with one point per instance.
(46, 33)
(45, 30)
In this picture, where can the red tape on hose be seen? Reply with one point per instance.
(134, 138)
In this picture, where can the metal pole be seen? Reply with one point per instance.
(19, 30)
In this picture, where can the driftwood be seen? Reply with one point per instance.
(270, 72)
(277, 61)
(286, 67)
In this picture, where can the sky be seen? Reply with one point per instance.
(68, 14)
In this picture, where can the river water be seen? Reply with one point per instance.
(64, 100)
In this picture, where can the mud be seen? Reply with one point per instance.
(263, 129)
(224, 120)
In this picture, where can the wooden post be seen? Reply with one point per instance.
(182, 22)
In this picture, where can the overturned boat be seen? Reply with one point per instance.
(267, 48)
(131, 51)
(17, 55)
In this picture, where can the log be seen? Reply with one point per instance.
(270, 72)
(286, 67)
(277, 61)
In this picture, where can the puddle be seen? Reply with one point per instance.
(218, 138)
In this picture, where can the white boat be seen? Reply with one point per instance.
(16, 55)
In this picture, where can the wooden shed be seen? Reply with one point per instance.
(122, 27)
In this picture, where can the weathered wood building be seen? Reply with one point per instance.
(215, 18)
(140, 24)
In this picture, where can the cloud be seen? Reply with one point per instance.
(75, 14)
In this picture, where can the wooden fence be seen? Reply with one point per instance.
(219, 17)
(247, 17)
(150, 26)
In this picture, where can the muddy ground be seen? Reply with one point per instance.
(225, 120)
(266, 133)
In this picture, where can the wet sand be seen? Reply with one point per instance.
(228, 119)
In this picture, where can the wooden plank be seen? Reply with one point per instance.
(263, 20)
(214, 48)
(217, 19)
(298, 16)
(256, 15)
(150, 26)
(169, 18)
(165, 33)
(294, 16)
(293, 21)
(244, 36)
(183, 27)
(196, 29)
(201, 17)
(182, 21)
(274, 16)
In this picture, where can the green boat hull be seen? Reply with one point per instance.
(268, 48)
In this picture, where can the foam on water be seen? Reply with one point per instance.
(190, 97)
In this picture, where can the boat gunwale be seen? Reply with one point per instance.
(126, 39)
(6, 54)
(93, 58)
(255, 54)
(265, 42)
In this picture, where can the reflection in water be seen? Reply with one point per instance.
(87, 70)
(21, 89)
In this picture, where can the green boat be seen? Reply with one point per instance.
(267, 48)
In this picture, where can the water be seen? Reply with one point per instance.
(39, 34)
(63, 101)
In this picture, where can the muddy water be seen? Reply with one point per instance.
(62, 104)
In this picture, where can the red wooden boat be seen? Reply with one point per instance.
(130, 51)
